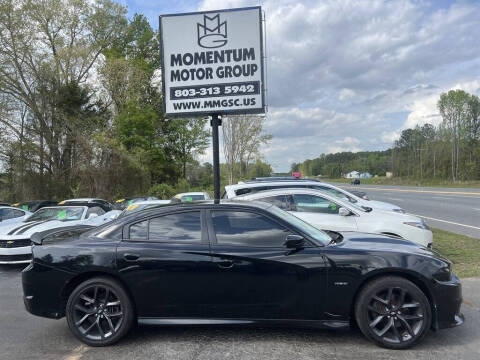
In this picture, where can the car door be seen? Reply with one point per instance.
(321, 212)
(165, 262)
(256, 276)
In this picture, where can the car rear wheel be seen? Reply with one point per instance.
(99, 312)
(393, 312)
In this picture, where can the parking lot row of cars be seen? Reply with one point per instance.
(21, 220)
(272, 252)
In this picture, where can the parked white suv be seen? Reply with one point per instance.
(249, 187)
(328, 212)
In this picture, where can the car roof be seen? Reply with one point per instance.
(194, 205)
(276, 179)
(191, 193)
(154, 202)
(83, 200)
(286, 190)
(263, 183)
(210, 204)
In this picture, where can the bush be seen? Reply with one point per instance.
(162, 191)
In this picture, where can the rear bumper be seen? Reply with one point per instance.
(42, 292)
(448, 297)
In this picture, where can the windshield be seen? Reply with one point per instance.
(63, 213)
(306, 228)
(336, 193)
(357, 207)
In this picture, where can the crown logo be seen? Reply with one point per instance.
(212, 33)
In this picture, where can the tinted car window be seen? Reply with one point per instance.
(247, 229)
(176, 227)
(314, 203)
(139, 230)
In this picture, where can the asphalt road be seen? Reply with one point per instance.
(452, 209)
(24, 336)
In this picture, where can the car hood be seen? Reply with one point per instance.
(24, 230)
(380, 205)
(383, 243)
(386, 215)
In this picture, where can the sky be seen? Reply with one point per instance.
(350, 75)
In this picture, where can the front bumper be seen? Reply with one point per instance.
(448, 302)
(16, 255)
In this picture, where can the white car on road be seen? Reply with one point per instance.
(328, 212)
(15, 243)
(248, 187)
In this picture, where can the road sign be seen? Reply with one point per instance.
(212, 62)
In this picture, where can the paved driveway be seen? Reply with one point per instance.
(24, 336)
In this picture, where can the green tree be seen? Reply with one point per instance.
(454, 108)
(186, 139)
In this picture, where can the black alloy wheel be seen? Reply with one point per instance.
(393, 312)
(99, 312)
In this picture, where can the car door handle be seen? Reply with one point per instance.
(225, 264)
(131, 257)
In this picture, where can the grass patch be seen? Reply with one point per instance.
(462, 250)
(382, 180)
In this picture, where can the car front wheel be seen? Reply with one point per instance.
(99, 312)
(393, 312)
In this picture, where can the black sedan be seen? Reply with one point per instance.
(237, 263)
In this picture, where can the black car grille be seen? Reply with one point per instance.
(15, 243)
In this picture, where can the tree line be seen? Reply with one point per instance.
(81, 107)
(448, 151)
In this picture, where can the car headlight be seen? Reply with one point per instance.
(398, 210)
(443, 274)
(418, 224)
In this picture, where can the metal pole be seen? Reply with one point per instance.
(216, 122)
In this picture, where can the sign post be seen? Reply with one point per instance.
(212, 65)
(216, 122)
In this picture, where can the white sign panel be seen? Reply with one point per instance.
(212, 62)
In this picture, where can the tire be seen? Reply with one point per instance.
(393, 312)
(99, 312)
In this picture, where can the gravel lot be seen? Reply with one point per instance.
(24, 336)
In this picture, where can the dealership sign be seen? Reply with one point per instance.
(212, 62)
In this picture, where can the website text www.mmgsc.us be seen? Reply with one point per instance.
(212, 104)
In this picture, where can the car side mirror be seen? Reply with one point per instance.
(91, 216)
(344, 212)
(294, 242)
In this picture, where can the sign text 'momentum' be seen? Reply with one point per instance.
(212, 57)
